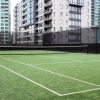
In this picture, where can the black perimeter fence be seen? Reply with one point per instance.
(87, 39)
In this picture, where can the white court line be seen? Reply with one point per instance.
(54, 73)
(58, 94)
(52, 91)
(73, 60)
(31, 80)
(73, 93)
(67, 62)
(60, 58)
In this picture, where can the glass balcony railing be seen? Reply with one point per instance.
(76, 3)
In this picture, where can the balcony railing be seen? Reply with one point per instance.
(48, 25)
(48, 18)
(48, 4)
(79, 3)
(48, 11)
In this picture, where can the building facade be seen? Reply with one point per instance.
(24, 21)
(61, 15)
(95, 12)
(54, 16)
(5, 24)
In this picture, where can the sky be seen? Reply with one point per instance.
(13, 4)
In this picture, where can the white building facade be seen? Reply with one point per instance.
(53, 16)
(61, 15)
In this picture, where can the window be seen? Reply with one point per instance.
(2, 27)
(2, 24)
(61, 6)
(61, 21)
(61, 28)
(54, 29)
(61, 14)
(88, 10)
(6, 27)
(88, 3)
(54, 14)
(87, 23)
(54, 21)
(6, 24)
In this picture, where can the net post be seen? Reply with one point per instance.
(87, 49)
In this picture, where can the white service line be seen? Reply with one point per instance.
(67, 62)
(54, 73)
(60, 58)
(54, 92)
(73, 93)
(72, 60)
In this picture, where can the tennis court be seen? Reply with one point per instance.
(49, 75)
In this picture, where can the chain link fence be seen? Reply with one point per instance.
(78, 36)
(86, 36)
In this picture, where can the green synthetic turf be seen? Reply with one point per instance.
(80, 66)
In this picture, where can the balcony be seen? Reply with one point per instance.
(24, 19)
(49, 11)
(48, 4)
(36, 10)
(48, 31)
(77, 3)
(36, 4)
(36, 28)
(36, 21)
(24, 13)
(48, 18)
(36, 16)
(49, 25)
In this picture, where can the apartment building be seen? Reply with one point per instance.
(4, 21)
(61, 15)
(95, 12)
(54, 16)
(24, 21)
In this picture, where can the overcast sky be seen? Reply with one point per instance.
(13, 4)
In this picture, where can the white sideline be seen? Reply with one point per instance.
(30, 80)
(54, 73)
(73, 93)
